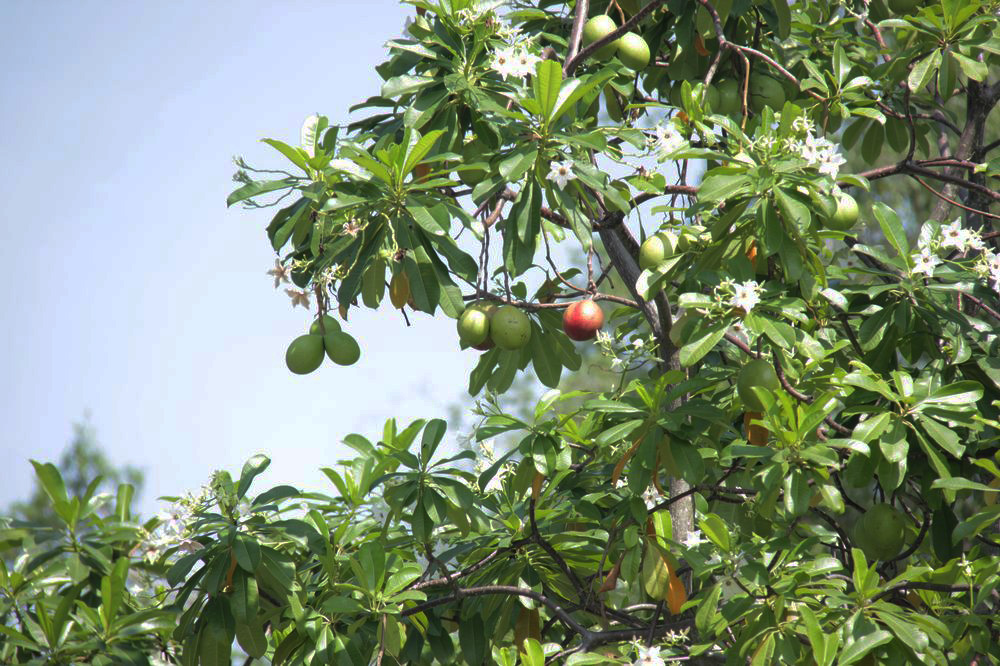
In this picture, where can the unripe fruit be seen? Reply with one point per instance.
(880, 532)
(489, 307)
(730, 99)
(597, 28)
(399, 290)
(633, 51)
(656, 249)
(510, 328)
(766, 91)
(846, 214)
(342, 348)
(473, 326)
(304, 354)
(756, 374)
(328, 325)
(583, 319)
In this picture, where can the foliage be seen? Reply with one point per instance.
(659, 518)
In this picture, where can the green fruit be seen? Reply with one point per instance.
(730, 101)
(598, 28)
(656, 249)
(342, 348)
(766, 91)
(329, 325)
(305, 354)
(510, 328)
(633, 51)
(473, 326)
(904, 6)
(846, 214)
(687, 239)
(756, 374)
(880, 532)
(712, 98)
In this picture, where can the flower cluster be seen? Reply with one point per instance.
(820, 153)
(954, 237)
(514, 61)
(174, 529)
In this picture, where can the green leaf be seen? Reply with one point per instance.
(296, 156)
(975, 70)
(945, 437)
(244, 598)
(251, 469)
(547, 83)
(431, 438)
(922, 72)
(862, 646)
(256, 188)
(247, 552)
(252, 639)
(893, 229)
(618, 432)
(693, 351)
(546, 364)
(958, 483)
(716, 530)
(405, 84)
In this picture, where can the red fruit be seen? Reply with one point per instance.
(583, 319)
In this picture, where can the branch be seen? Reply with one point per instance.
(583, 54)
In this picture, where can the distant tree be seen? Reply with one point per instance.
(82, 463)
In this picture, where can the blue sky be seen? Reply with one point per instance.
(130, 290)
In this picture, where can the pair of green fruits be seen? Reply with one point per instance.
(306, 352)
(484, 324)
(630, 48)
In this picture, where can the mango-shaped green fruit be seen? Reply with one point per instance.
(598, 28)
(473, 326)
(766, 91)
(846, 215)
(730, 99)
(633, 51)
(305, 354)
(323, 325)
(756, 374)
(510, 328)
(656, 249)
(342, 348)
(880, 532)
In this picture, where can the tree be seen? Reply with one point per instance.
(807, 472)
(82, 462)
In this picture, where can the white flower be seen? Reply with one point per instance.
(651, 497)
(667, 140)
(524, 63)
(802, 124)
(561, 173)
(504, 62)
(992, 263)
(638, 343)
(745, 296)
(953, 235)
(693, 539)
(822, 154)
(925, 262)
(649, 656)
(279, 273)
(298, 297)
(729, 588)
(972, 240)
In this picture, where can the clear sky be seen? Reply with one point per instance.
(130, 290)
